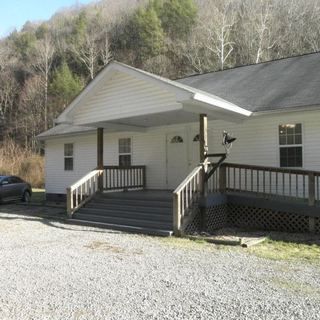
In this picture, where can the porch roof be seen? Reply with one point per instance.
(187, 104)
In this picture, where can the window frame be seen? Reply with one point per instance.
(65, 157)
(282, 146)
(125, 153)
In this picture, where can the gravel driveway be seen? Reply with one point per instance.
(51, 270)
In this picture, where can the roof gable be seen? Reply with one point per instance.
(179, 91)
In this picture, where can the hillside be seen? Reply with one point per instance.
(43, 66)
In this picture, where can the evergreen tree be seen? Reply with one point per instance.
(177, 16)
(148, 37)
(65, 85)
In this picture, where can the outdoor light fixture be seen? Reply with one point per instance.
(227, 140)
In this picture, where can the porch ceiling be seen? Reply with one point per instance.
(188, 113)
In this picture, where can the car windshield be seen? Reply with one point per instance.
(2, 177)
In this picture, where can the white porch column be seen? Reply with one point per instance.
(100, 163)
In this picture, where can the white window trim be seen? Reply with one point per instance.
(125, 153)
(68, 157)
(291, 145)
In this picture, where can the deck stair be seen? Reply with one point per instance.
(148, 212)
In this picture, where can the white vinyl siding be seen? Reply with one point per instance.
(123, 96)
(257, 144)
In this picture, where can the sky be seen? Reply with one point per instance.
(14, 13)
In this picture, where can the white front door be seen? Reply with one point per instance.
(177, 158)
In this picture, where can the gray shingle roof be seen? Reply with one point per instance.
(279, 84)
(275, 85)
(64, 129)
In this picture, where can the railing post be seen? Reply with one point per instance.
(176, 214)
(100, 157)
(223, 178)
(203, 160)
(69, 202)
(311, 189)
(144, 177)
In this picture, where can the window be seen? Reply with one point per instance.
(290, 141)
(15, 180)
(196, 138)
(68, 157)
(176, 139)
(125, 152)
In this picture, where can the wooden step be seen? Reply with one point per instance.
(123, 228)
(129, 208)
(138, 195)
(131, 202)
(106, 212)
(124, 221)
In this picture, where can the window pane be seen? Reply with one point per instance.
(68, 164)
(125, 160)
(290, 129)
(177, 139)
(68, 150)
(298, 139)
(283, 140)
(291, 157)
(298, 128)
(290, 139)
(125, 145)
(282, 130)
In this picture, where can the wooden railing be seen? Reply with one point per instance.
(82, 191)
(184, 198)
(268, 182)
(124, 178)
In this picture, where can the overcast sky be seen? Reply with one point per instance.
(14, 13)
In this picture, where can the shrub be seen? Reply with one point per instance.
(16, 160)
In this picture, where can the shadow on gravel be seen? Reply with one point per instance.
(46, 216)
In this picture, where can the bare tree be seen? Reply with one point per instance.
(217, 28)
(32, 108)
(263, 27)
(88, 52)
(193, 51)
(106, 55)
(43, 64)
(8, 92)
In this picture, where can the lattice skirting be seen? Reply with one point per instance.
(317, 225)
(194, 225)
(252, 218)
(266, 219)
(217, 217)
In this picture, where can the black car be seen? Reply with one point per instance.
(14, 188)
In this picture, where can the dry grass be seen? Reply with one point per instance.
(15, 160)
(280, 250)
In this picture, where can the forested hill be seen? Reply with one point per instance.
(43, 66)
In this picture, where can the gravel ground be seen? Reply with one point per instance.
(51, 270)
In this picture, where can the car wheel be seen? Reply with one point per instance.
(26, 197)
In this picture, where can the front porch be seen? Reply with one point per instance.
(249, 197)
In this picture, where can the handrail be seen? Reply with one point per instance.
(274, 169)
(187, 179)
(184, 197)
(82, 191)
(125, 177)
(270, 182)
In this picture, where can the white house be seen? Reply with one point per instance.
(129, 117)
